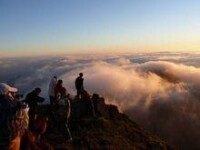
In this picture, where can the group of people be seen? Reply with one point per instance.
(57, 91)
(11, 104)
(14, 120)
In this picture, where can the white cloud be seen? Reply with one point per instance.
(163, 96)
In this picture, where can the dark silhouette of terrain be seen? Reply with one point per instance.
(97, 126)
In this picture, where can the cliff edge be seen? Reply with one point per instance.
(96, 125)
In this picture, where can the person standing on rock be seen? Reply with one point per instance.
(79, 84)
(52, 86)
(32, 99)
(59, 91)
(13, 118)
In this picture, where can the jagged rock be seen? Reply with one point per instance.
(113, 112)
(94, 107)
(100, 108)
(80, 109)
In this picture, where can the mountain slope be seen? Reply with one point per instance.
(95, 125)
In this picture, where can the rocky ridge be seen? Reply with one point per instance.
(96, 125)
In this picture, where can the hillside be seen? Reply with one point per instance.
(97, 126)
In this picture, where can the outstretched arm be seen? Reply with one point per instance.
(40, 99)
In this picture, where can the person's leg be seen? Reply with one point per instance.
(78, 93)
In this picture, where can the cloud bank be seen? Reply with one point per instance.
(159, 91)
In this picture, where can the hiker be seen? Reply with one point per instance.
(14, 118)
(67, 133)
(59, 91)
(32, 99)
(8, 101)
(64, 98)
(52, 85)
(79, 85)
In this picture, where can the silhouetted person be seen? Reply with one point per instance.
(7, 107)
(67, 133)
(79, 84)
(59, 90)
(13, 118)
(52, 86)
(32, 99)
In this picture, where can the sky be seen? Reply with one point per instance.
(53, 27)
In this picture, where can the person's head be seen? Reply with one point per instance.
(37, 90)
(6, 89)
(81, 74)
(60, 82)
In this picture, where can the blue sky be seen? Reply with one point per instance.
(33, 27)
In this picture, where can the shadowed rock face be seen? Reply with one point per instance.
(96, 125)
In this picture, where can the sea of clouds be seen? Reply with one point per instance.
(160, 91)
